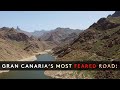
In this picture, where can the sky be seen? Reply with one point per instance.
(48, 20)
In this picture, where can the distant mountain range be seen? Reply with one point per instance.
(43, 34)
(57, 36)
(38, 33)
(60, 35)
(35, 33)
(16, 43)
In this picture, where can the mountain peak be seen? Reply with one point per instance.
(103, 24)
(18, 28)
(59, 28)
(116, 14)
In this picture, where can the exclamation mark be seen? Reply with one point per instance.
(116, 65)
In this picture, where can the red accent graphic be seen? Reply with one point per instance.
(85, 66)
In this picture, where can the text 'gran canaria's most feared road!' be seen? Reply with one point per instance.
(60, 45)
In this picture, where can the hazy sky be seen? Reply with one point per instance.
(47, 20)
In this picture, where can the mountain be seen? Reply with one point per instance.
(53, 38)
(35, 33)
(61, 35)
(116, 14)
(22, 31)
(56, 36)
(15, 45)
(101, 38)
(100, 42)
(38, 33)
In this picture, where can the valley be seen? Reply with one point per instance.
(99, 42)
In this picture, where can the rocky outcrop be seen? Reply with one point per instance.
(33, 38)
(104, 24)
(31, 47)
(70, 37)
(116, 14)
(12, 34)
(18, 37)
(18, 29)
(2, 37)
